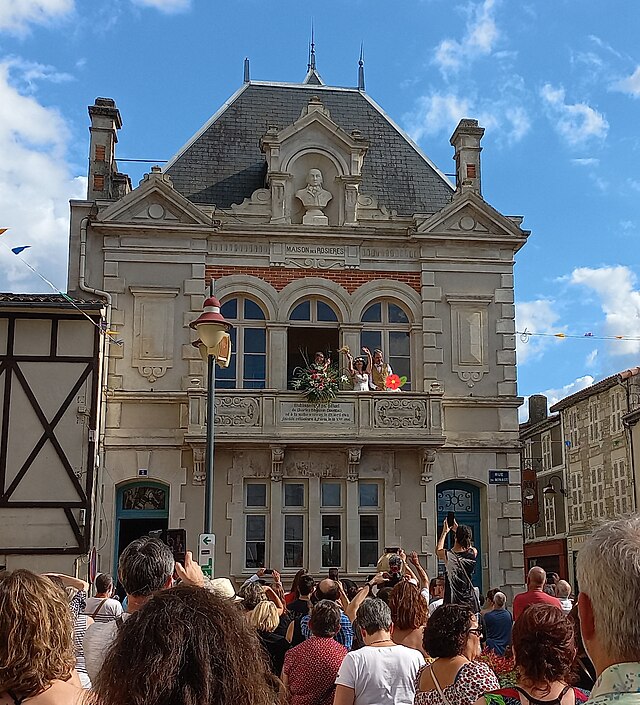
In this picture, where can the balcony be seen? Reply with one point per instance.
(268, 416)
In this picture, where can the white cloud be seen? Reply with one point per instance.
(591, 358)
(480, 37)
(16, 15)
(631, 84)
(538, 316)
(586, 161)
(441, 112)
(574, 122)
(27, 73)
(619, 300)
(35, 187)
(166, 6)
(555, 395)
(437, 112)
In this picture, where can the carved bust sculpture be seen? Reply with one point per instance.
(314, 198)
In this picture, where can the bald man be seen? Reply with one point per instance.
(535, 593)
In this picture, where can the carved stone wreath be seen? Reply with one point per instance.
(237, 411)
(400, 413)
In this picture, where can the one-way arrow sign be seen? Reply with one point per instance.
(206, 553)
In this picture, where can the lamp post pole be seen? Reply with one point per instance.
(209, 451)
(211, 327)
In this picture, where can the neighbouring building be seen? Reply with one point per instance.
(51, 355)
(322, 225)
(544, 495)
(599, 468)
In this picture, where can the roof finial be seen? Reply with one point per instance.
(246, 70)
(361, 68)
(312, 51)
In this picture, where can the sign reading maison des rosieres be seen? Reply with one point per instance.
(337, 412)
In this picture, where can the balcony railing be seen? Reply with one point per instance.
(249, 415)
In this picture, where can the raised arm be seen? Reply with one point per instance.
(440, 549)
(70, 581)
(273, 596)
(350, 364)
(352, 610)
(422, 573)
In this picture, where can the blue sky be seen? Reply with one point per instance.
(556, 84)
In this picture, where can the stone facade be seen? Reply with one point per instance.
(598, 462)
(403, 261)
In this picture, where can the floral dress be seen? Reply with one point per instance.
(472, 681)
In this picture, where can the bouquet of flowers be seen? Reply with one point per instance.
(317, 383)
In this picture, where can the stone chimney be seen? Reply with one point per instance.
(105, 123)
(466, 142)
(537, 408)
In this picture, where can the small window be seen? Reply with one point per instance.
(293, 540)
(255, 540)
(302, 312)
(256, 495)
(229, 309)
(325, 312)
(369, 540)
(293, 495)
(331, 540)
(331, 494)
(368, 494)
(252, 311)
(373, 314)
(397, 315)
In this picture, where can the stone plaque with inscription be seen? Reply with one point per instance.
(301, 412)
(311, 255)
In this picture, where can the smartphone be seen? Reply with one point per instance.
(451, 518)
(333, 574)
(268, 571)
(392, 549)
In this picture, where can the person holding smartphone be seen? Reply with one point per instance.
(460, 562)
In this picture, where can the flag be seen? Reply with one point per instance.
(18, 250)
(3, 230)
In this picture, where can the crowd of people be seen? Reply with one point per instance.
(398, 639)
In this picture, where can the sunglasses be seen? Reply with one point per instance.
(477, 631)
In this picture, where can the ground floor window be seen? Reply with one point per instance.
(282, 523)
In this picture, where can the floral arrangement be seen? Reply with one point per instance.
(503, 666)
(317, 383)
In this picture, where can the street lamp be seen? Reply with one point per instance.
(211, 327)
(550, 489)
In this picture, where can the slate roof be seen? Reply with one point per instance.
(223, 163)
(56, 300)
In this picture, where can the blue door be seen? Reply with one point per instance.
(141, 507)
(463, 499)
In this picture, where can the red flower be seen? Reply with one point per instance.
(392, 382)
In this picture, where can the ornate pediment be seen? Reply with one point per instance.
(469, 216)
(155, 202)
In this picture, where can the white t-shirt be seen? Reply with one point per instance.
(96, 642)
(107, 612)
(433, 606)
(381, 675)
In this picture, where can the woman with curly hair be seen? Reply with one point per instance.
(452, 638)
(37, 656)
(409, 611)
(185, 646)
(545, 649)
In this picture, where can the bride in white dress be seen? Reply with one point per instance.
(358, 371)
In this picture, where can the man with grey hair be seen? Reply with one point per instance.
(498, 624)
(609, 577)
(382, 672)
(145, 566)
(563, 590)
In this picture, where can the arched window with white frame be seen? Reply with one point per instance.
(387, 327)
(248, 366)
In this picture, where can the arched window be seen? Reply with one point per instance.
(313, 327)
(247, 369)
(387, 327)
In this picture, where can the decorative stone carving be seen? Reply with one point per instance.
(277, 458)
(305, 468)
(198, 466)
(259, 204)
(237, 411)
(400, 413)
(368, 209)
(428, 459)
(353, 456)
(469, 336)
(315, 199)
